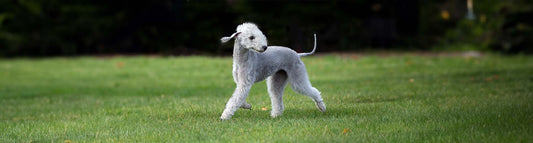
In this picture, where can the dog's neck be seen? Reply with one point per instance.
(241, 55)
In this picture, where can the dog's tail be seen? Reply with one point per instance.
(310, 53)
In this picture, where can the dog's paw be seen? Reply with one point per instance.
(224, 118)
(320, 105)
(275, 114)
(246, 106)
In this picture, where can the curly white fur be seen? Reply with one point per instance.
(254, 61)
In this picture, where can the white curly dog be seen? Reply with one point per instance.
(253, 61)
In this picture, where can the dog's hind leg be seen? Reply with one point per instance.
(299, 82)
(276, 85)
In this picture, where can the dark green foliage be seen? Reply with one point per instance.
(60, 27)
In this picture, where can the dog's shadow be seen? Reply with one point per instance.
(258, 114)
(313, 113)
(294, 114)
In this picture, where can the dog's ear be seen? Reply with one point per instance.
(226, 39)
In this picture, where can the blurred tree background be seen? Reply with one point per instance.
(178, 27)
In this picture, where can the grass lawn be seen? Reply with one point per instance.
(404, 98)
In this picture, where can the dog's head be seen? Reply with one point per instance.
(249, 36)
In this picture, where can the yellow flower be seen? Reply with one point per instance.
(483, 18)
(346, 130)
(445, 14)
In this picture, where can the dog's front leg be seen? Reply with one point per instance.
(237, 100)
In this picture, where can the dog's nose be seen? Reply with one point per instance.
(265, 48)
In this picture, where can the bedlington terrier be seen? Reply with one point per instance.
(252, 62)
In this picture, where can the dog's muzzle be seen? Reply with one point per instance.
(260, 49)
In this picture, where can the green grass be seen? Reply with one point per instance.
(369, 99)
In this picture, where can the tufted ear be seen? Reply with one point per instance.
(226, 39)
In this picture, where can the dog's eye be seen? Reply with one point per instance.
(252, 37)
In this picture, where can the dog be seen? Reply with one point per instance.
(255, 61)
